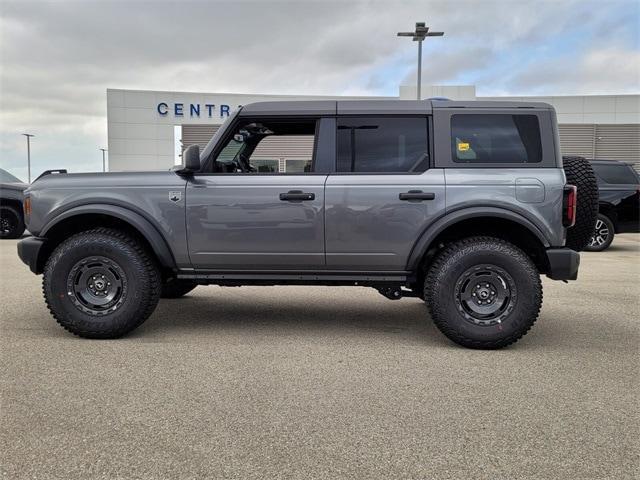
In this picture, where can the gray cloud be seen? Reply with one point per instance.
(444, 65)
(595, 72)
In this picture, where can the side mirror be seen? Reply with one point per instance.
(191, 159)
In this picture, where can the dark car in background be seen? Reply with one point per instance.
(11, 214)
(619, 193)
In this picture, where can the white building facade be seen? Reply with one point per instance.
(148, 129)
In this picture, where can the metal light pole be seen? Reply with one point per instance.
(418, 36)
(28, 135)
(103, 164)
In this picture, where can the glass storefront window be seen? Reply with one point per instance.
(265, 165)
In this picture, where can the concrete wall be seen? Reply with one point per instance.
(604, 109)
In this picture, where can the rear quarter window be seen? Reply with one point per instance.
(495, 138)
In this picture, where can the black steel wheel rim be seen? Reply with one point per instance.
(485, 294)
(8, 223)
(97, 285)
(601, 234)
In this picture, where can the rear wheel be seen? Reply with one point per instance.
(603, 235)
(101, 283)
(177, 288)
(11, 222)
(483, 292)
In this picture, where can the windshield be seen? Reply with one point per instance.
(231, 151)
(216, 136)
(6, 177)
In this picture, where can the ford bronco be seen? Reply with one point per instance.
(462, 204)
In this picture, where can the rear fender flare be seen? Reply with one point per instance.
(424, 242)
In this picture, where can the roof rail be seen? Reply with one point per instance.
(49, 172)
(439, 98)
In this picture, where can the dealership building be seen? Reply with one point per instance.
(148, 130)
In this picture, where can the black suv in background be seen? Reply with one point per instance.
(619, 212)
(11, 196)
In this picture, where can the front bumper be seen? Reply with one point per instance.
(563, 263)
(29, 252)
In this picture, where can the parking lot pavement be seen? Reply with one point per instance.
(310, 382)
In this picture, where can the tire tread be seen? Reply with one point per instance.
(579, 172)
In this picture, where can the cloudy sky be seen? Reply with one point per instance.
(58, 58)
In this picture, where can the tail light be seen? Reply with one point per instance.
(569, 205)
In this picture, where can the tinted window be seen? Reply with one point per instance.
(615, 173)
(495, 138)
(367, 144)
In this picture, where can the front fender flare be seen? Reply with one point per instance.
(424, 242)
(137, 221)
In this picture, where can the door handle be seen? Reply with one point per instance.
(416, 195)
(297, 196)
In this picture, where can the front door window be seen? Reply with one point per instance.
(267, 146)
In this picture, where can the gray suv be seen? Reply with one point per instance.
(462, 204)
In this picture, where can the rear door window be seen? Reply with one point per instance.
(495, 138)
(382, 144)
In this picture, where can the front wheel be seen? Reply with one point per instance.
(483, 292)
(101, 283)
(602, 236)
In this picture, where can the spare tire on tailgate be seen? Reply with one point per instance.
(580, 173)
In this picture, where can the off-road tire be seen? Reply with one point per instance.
(444, 276)
(11, 222)
(601, 221)
(579, 172)
(139, 275)
(177, 288)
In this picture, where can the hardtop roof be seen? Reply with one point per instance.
(380, 107)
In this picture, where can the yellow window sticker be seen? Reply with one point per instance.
(463, 147)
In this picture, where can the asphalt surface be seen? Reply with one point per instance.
(306, 382)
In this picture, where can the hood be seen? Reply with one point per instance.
(101, 180)
(17, 186)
